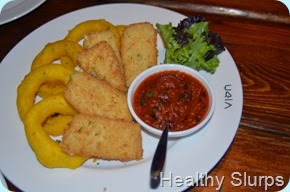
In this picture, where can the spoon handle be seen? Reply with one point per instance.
(159, 158)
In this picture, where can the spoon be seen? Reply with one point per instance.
(159, 158)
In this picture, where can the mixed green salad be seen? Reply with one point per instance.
(191, 43)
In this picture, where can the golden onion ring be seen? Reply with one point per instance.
(50, 88)
(67, 62)
(55, 126)
(54, 51)
(28, 88)
(86, 27)
(48, 151)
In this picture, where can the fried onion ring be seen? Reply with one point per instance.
(54, 51)
(48, 151)
(28, 88)
(86, 27)
(67, 62)
(55, 126)
(64, 50)
(51, 88)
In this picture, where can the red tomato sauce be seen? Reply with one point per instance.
(172, 96)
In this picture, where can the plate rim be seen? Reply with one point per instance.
(19, 11)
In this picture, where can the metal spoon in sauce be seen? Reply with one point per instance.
(159, 158)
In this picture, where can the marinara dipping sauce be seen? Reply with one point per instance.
(173, 96)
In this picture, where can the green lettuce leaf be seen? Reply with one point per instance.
(193, 53)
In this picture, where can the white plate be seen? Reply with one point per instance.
(198, 153)
(17, 8)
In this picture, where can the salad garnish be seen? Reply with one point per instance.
(191, 43)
